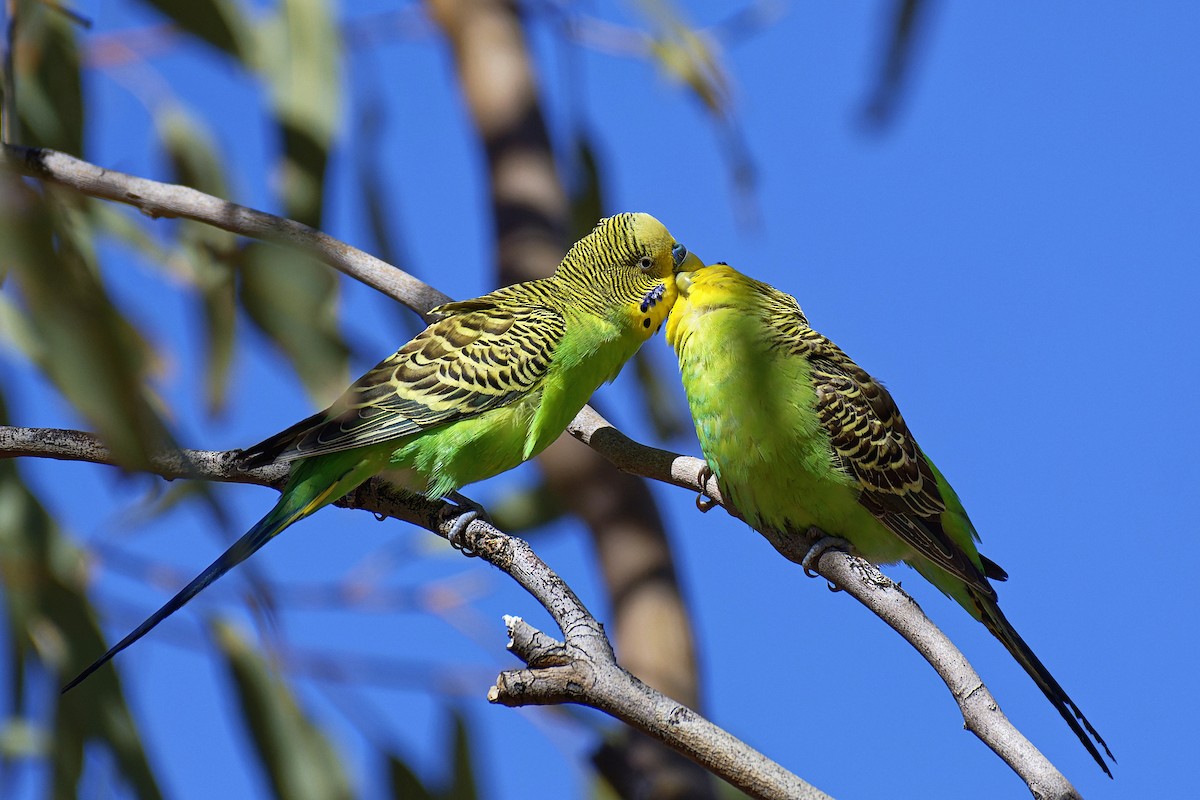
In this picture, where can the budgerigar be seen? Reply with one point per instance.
(799, 436)
(487, 386)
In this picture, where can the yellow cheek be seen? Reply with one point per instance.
(648, 321)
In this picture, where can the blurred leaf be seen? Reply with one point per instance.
(526, 508)
(404, 783)
(293, 300)
(21, 738)
(380, 203)
(688, 55)
(587, 193)
(218, 22)
(48, 88)
(290, 297)
(210, 252)
(462, 784)
(300, 762)
(896, 63)
(662, 405)
(299, 56)
(49, 617)
(96, 358)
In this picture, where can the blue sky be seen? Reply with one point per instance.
(1016, 257)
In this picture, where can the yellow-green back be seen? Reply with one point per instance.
(496, 379)
(798, 435)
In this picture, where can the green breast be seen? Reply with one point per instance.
(754, 410)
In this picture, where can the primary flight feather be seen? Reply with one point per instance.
(486, 386)
(799, 436)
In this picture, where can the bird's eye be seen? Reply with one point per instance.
(646, 263)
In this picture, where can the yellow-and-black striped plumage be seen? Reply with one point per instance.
(799, 436)
(486, 386)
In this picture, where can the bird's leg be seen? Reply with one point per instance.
(825, 542)
(467, 512)
(703, 501)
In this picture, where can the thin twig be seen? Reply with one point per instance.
(583, 634)
(614, 691)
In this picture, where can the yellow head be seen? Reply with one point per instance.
(630, 259)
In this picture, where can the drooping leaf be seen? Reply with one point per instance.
(47, 81)
(209, 252)
(462, 781)
(301, 762)
(586, 189)
(299, 57)
(662, 406)
(688, 55)
(80, 340)
(404, 782)
(292, 299)
(219, 22)
(895, 62)
(43, 577)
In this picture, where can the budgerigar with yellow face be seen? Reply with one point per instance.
(799, 436)
(486, 386)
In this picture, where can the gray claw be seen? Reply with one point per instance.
(703, 502)
(469, 512)
(826, 542)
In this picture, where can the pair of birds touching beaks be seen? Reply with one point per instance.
(797, 434)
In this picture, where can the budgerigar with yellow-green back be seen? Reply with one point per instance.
(485, 387)
(800, 437)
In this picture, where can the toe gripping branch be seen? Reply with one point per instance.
(467, 511)
(703, 502)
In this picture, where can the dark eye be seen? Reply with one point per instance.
(646, 263)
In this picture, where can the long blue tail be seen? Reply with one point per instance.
(239, 551)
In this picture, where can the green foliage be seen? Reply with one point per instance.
(405, 784)
(220, 23)
(49, 618)
(301, 763)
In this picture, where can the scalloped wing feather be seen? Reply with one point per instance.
(481, 356)
(871, 442)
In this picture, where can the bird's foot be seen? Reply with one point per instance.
(826, 542)
(703, 501)
(467, 511)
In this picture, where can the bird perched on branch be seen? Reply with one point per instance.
(800, 437)
(485, 387)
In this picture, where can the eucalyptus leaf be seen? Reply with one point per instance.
(49, 617)
(219, 22)
(292, 299)
(300, 761)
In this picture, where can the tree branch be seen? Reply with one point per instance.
(583, 670)
(648, 617)
(156, 200)
(850, 573)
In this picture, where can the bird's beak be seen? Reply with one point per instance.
(689, 263)
(683, 272)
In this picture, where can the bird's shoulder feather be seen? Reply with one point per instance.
(478, 355)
